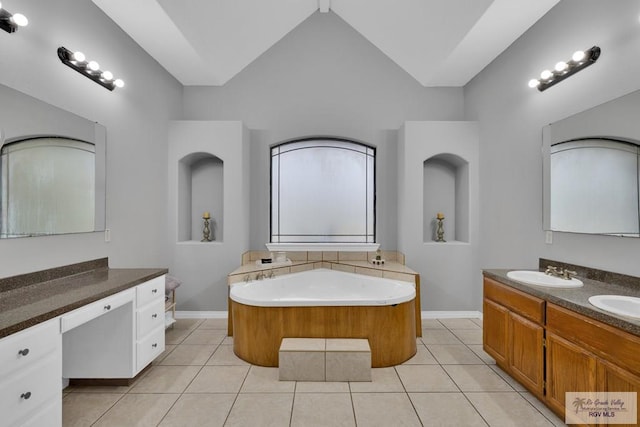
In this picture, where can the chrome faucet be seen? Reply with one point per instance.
(260, 276)
(271, 275)
(569, 274)
(247, 279)
(553, 271)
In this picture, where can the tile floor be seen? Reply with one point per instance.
(198, 381)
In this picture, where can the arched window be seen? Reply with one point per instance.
(322, 191)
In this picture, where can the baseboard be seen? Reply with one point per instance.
(424, 314)
(451, 315)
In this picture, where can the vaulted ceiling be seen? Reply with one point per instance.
(438, 42)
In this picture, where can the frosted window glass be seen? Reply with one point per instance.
(48, 187)
(322, 190)
(594, 187)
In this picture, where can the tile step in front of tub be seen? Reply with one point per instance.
(324, 359)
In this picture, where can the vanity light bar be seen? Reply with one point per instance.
(10, 22)
(579, 60)
(89, 69)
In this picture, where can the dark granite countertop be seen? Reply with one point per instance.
(577, 299)
(33, 298)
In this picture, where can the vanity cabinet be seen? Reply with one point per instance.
(513, 333)
(30, 373)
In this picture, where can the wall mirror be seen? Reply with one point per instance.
(591, 170)
(52, 169)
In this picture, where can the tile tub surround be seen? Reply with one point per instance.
(577, 299)
(29, 299)
(225, 391)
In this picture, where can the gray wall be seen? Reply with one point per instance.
(511, 117)
(323, 78)
(136, 118)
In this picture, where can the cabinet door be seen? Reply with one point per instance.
(614, 378)
(569, 368)
(494, 330)
(526, 353)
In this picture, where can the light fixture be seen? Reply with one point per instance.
(579, 60)
(10, 22)
(90, 69)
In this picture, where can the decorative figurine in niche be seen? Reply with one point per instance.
(440, 229)
(206, 231)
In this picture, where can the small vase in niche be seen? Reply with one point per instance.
(440, 228)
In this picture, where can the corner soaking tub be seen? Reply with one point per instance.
(324, 303)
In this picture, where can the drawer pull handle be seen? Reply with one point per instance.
(107, 307)
(26, 395)
(23, 352)
(154, 291)
(154, 315)
(154, 345)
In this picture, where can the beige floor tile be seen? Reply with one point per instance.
(224, 355)
(479, 351)
(176, 336)
(445, 409)
(265, 380)
(548, 413)
(194, 355)
(220, 324)
(138, 410)
(432, 324)
(454, 355)
(508, 378)
(227, 341)
(439, 336)
(383, 380)
(469, 336)
(168, 348)
(477, 322)
(322, 387)
(507, 409)
(476, 378)
(322, 409)
(166, 379)
(201, 410)
(422, 357)
(218, 379)
(384, 409)
(459, 323)
(83, 409)
(189, 324)
(204, 337)
(425, 378)
(261, 409)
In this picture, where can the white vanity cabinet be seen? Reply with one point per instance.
(149, 321)
(30, 376)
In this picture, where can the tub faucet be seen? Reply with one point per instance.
(260, 276)
(247, 279)
(271, 275)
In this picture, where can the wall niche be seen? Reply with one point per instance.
(446, 190)
(200, 190)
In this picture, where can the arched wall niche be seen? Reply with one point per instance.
(446, 190)
(200, 190)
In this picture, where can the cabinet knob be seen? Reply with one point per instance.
(23, 352)
(154, 291)
(154, 315)
(107, 307)
(26, 395)
(154, 345)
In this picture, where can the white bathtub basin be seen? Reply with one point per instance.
(617, 304)
(538, 278)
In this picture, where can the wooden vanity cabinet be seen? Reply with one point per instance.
(513, 333)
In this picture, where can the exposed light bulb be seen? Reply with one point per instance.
(93, 66)
(546, 75)
(78, 56)
(107, 75)
(118, 83)
(20, 20)
(534, 83)
(578, 56)
(561, 66)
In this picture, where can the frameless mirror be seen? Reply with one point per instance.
(591, 172)
(52, 169)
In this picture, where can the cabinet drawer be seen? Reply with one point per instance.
(50, 415)
(96, 309)
(19, 350)
(517, 301)
(150, 317)
(606, 341)
(148, 291)
(30, 390)
(149, 348)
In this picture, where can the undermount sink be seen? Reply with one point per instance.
(617, 304)
(538, 278)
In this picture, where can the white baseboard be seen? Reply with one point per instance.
(424, 314)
